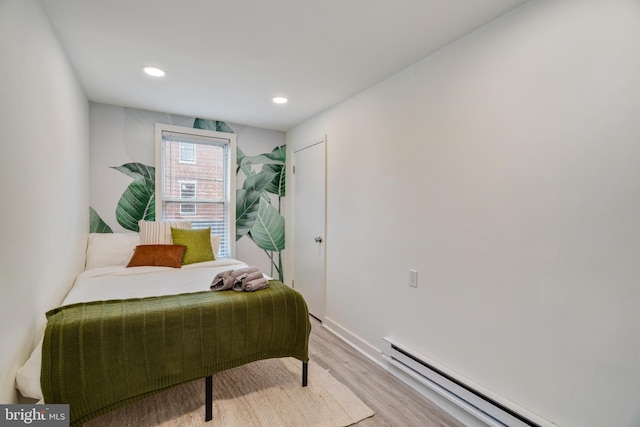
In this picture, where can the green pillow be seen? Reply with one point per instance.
(198, 243)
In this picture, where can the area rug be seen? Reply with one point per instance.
(264, 393)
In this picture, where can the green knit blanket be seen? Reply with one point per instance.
(102, 355)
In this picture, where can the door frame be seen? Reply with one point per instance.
(296, 149)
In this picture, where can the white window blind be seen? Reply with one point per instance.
(203, 190)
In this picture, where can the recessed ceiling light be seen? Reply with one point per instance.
(154, 71)
(280, 100)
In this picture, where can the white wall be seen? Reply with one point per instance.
(506, 169)
(44, 174)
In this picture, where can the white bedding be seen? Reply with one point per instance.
(119, 282)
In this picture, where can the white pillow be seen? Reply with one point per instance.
(108, 249)
(215, 244)
(159, 232)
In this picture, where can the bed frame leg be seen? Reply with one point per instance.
(305, 371)
(208, 397)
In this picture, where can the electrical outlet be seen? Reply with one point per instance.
(413, 278)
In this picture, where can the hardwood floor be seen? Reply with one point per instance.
(394, 403)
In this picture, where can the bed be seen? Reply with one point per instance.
(124, 333)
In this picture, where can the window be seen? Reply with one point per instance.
(187, 152)
(202, 190)
(187, 208)
(187, 191)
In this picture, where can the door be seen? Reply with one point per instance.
(309, 184)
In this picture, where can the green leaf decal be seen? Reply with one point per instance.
(259, 181)
(246, 169)
(216, 125)
(138, 171)
(248, 200)
(247, 203)
(273, 162)
(268, 230)
(277, 185)
(96, 224)
(256, 217)
(223, 127)
(138, 200)
(260, 160)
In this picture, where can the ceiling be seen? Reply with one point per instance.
(226, 59)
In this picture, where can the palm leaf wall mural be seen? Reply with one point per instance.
(138, 201)
(215, 125)
(268, 229)
(271, 162)
(257, 216)
(96, 224)
(248, 200)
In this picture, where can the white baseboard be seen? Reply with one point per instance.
(374, 354)
(353, 340)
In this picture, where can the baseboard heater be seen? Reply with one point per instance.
(482, 404)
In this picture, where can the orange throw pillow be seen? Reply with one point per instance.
(157, 256)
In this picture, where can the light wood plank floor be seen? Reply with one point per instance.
(394, 403)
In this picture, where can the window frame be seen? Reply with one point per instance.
(230, 172)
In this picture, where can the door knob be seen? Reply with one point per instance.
(318, 239)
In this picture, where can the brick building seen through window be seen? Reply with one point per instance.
(194, 183)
